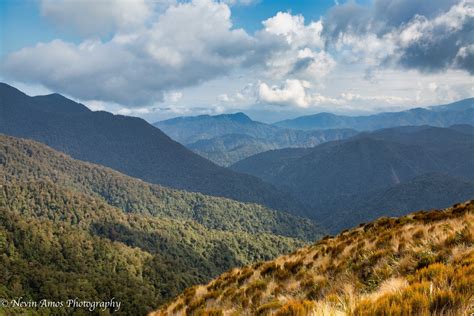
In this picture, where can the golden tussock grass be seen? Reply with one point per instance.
(419, 264)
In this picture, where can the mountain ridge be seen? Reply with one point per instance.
(228, 138)
(129, 145)
(343, 175)
(459, 112)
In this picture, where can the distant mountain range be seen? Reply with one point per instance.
(386, 172)
(228, 138)
(69, 227)
(129, 145)
(461, 112)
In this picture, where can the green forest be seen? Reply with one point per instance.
(74, 229)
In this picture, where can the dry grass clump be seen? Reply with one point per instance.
(420, 264)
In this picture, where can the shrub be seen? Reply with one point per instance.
(268, 269)
(268, 307)
(194, 305)
(425, 258)
(258, 285)
(293, 266)
(442, 301)
(296, 308)
(244, 275)
(282, 274)
(209, 312)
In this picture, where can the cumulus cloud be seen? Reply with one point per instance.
(305, 57)
(241, 2)
(428, 36)
(188, 44)
(135, 54)
(293, 92)
(293, 28)
(91, 17)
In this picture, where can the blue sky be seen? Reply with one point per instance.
(271, 59)
(24, 17)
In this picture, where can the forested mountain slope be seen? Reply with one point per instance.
(129, 145)
(73, 229)
(354, 180)
(228, 138)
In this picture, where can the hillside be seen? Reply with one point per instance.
(73, 229)
(129, 145)
(28, 160)
(420, 264)
(349, 181)
(461, 112)
(228, 138)
(230, 148)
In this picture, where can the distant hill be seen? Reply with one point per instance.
(420, 264)
(355, 180)
(461, 112)
(228, 138)
(129, 145)
(74, 229)
(230, 148)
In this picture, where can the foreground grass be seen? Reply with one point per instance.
(420, 264)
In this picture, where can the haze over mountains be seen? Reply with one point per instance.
(337, 183)
(129, 145)
(461, 112)
(355, 180)
(228, 138)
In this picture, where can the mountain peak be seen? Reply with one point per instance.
(8, 91)
(236, 117)
(58, 103)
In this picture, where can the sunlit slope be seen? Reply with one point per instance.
(419, 264)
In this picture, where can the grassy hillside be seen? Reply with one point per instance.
(420, 264)
(74, 229)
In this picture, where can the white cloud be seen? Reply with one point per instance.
(92, 17)
(293, 28)
(134, 111)
(188, 55)
(240, 2)
(189, 43)
(428, 43)
(293, 92)
(172, 97)
(305, 57)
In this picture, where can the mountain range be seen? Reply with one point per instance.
(386, 172)
(166, 218)
(129, 145)
(461, 112)
(74, 229)
(420, 264)
(228, 138)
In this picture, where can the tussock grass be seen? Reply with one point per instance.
(420, 264)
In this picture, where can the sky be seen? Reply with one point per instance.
(273, 60)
